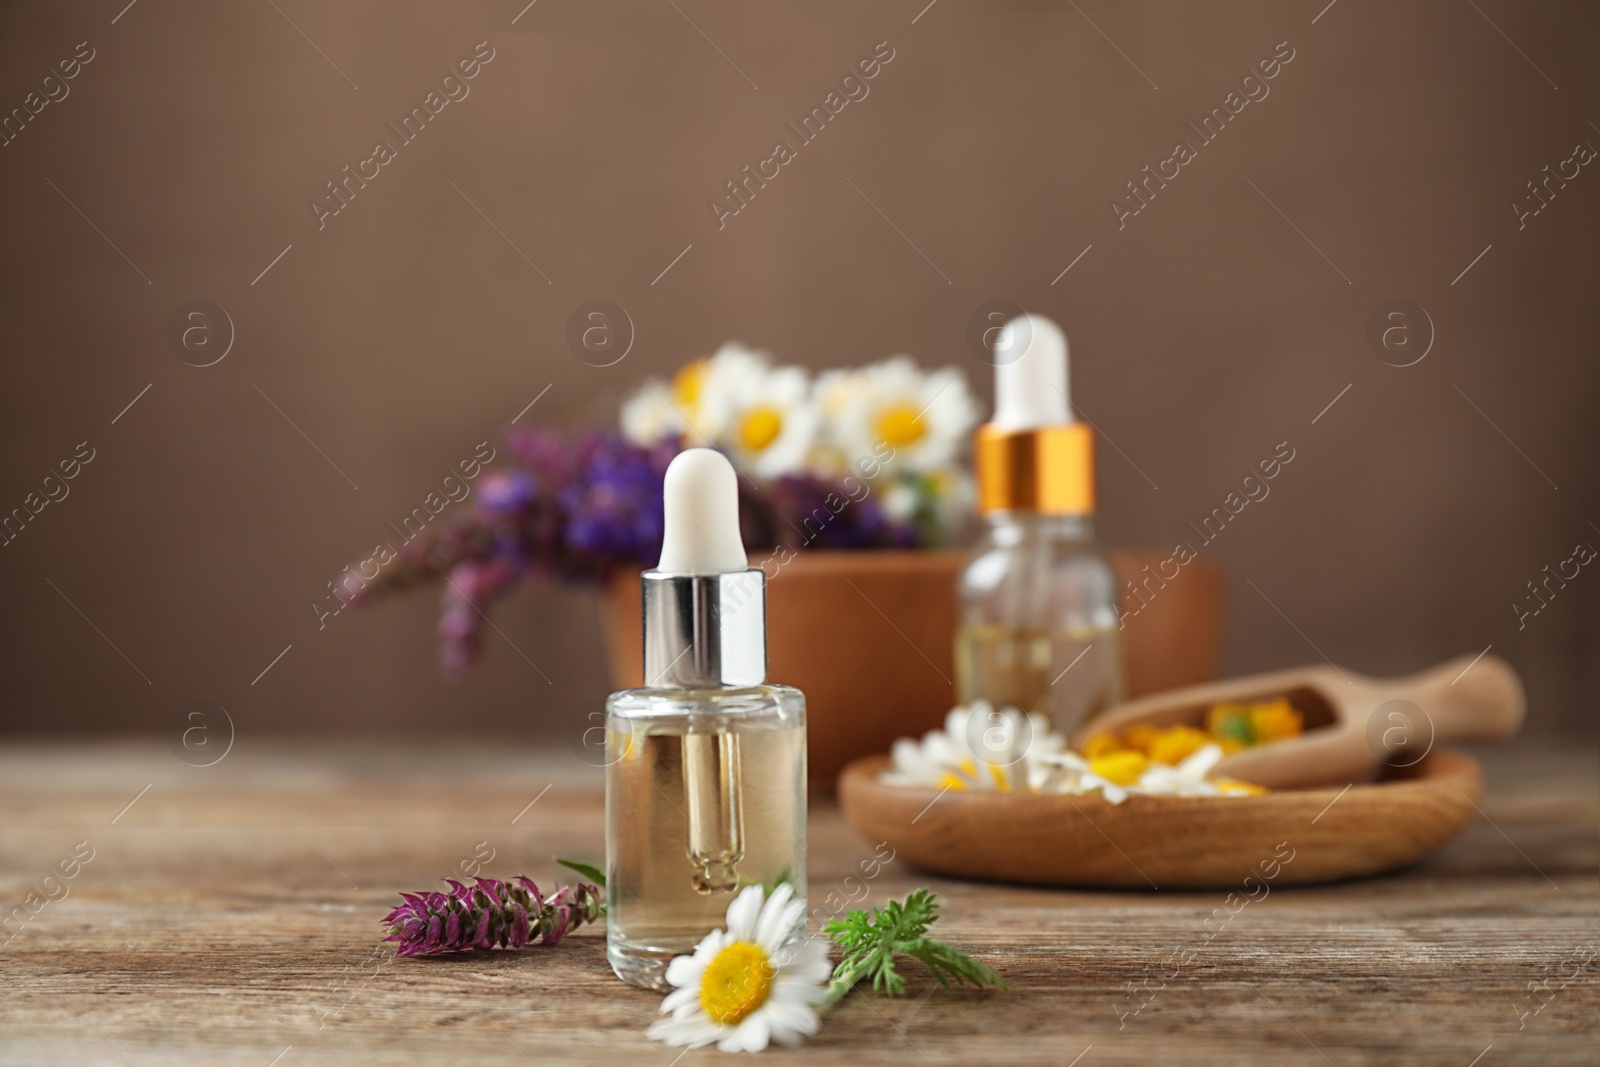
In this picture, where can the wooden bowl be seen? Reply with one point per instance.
(1168, 842)
(869, 636)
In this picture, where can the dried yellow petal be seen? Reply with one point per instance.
(1177, 743)
(1139, 737)
(1122, 767)
(1099, 745)
(1274, 721)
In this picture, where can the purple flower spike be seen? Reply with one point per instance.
(489, 914)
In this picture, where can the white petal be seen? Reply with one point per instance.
(685, 971)
(769, 932)
(785, 1037)
(1068, 760)
(1199, 764)
(807, 995)
(779, 924)
(743, 912)
(751, 1035)
(679, 997)
(693, 1033)
(943, 749)
(789, 1018)
(906, 756)
(809, 965)
(709, 946)
(793, 919)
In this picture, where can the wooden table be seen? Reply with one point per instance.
(229, 915)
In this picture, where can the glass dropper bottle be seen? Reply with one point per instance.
(1039, 623)
(706, 765)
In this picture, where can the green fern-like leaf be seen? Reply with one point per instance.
(870, 941)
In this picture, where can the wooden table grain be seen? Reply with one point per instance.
(229, 915)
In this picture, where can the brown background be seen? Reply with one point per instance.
(408, 330)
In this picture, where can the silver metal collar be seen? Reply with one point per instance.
(705, 631)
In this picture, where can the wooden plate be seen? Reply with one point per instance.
(1169, 842)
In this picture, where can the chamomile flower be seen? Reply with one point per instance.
(979, 748)
(837, 389)
(650, 416)
(925, 417)
(1006, 751)
(1116, 776)
(1070, 773)
(1187, 779)
(745, 985)
(659, 409)
(731, 368)
(764, 417)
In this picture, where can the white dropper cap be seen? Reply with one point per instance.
(700, 499)
(1030, 375)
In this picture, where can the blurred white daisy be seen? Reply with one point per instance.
(925, 417)
(1005, 751)
(747, 985)
(1071, 773)
(660, 408)
(837, 388)
(832, 393)
(732, 365)
(1068, 772)
(649, 416)
(979, 748)
(764, 417)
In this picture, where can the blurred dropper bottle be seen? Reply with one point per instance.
(706, 765)
(1039, 624)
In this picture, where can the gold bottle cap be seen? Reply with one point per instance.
(1049, 469)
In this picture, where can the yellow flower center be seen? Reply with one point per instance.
(899, 425)
(687, 382)
(737, 981)
(760, 427)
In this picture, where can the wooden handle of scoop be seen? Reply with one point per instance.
(1468, 698)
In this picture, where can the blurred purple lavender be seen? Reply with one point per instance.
(581, 508)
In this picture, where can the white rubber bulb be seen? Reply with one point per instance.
(701, 522)
(1030, 375)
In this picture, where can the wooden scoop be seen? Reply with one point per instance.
(1353, 724)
